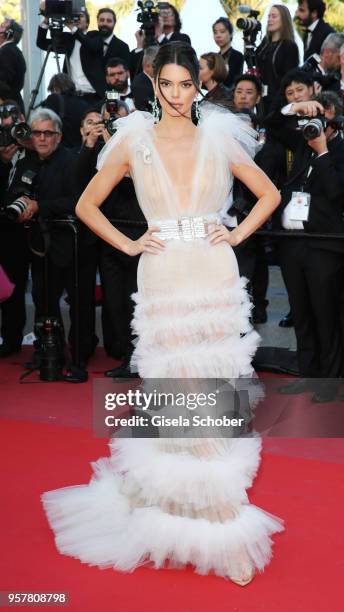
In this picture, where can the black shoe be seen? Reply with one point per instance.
(298, 386)
(122, 371)
(259, 315)
(6, 350)
(287, 321)
(76, 374)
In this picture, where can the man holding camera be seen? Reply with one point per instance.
(12, 63)
(312, 268)
(326, 70)
(54, 197)
(87, 52)
(14, 251)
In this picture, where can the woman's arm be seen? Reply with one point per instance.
(268, 200)
(87, 209)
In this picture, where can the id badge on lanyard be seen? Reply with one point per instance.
(299, 206)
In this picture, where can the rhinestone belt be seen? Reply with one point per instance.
(184, 228)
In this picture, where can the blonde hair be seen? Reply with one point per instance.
(287, 30)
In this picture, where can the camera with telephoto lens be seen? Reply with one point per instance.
(26, 187)
(312, 127)
(111, 107)
(250, 24)
(17, 130)
(50, 348)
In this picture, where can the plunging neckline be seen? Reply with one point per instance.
(167, 175)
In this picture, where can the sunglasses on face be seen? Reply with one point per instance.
(44, 133)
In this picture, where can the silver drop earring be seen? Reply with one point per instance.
(155, 110)
(197, 110)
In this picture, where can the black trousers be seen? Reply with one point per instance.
(119, 280)
(46, 296)
(314, 281)
(253, 265)
(14, 257)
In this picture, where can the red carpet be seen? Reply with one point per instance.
(305, 574)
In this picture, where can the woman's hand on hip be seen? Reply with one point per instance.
(222, 234)
(146, 243)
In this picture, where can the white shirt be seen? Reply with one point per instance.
(163, 36)
(310, 34)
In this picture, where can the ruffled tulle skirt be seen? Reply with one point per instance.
(172, 502)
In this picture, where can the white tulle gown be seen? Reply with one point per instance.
(161, 501)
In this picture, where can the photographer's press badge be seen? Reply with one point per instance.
(299, 206)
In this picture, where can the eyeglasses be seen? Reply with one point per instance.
(44, 133)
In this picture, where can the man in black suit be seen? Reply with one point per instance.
(310, 14)
(12, 63)
(88, 53)
(55, 198)
(167, 30)
(142, 85)
(312, 268)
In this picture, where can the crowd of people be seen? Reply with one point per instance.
(294, 103)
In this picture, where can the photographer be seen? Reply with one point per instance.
(88, 53)
(312, 268)
(160, 24)
(68, 106)
(310, 15)
(117, 79)
(277, 53)
(12, 63)
(118, 271)
(325, 71)
(55, 197)
(14, 252)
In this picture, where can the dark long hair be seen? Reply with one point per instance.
(179, 53)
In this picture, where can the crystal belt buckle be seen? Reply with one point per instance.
(192, 227)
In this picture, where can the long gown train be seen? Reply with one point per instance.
(176, 501)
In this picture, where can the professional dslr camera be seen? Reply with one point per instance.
(26, 187)
(111, 106)
(149, 18)
(59, 12)
(18, 130)
(250, 27)
(311, 127)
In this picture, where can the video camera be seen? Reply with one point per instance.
(18, 130)
(149, 18)
(59, 12)
(311, 127)
(25, 187)
(250, 27)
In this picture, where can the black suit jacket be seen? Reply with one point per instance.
(12, 70)
(92, 56)
(318, 36)
(143, 92)
(137, 56)
(235, 62)
(326, 187)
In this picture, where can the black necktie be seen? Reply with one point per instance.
(105, 47)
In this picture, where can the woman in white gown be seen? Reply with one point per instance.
(163, 501)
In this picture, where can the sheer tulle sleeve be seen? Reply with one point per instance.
(233, 137)
(128, 129)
